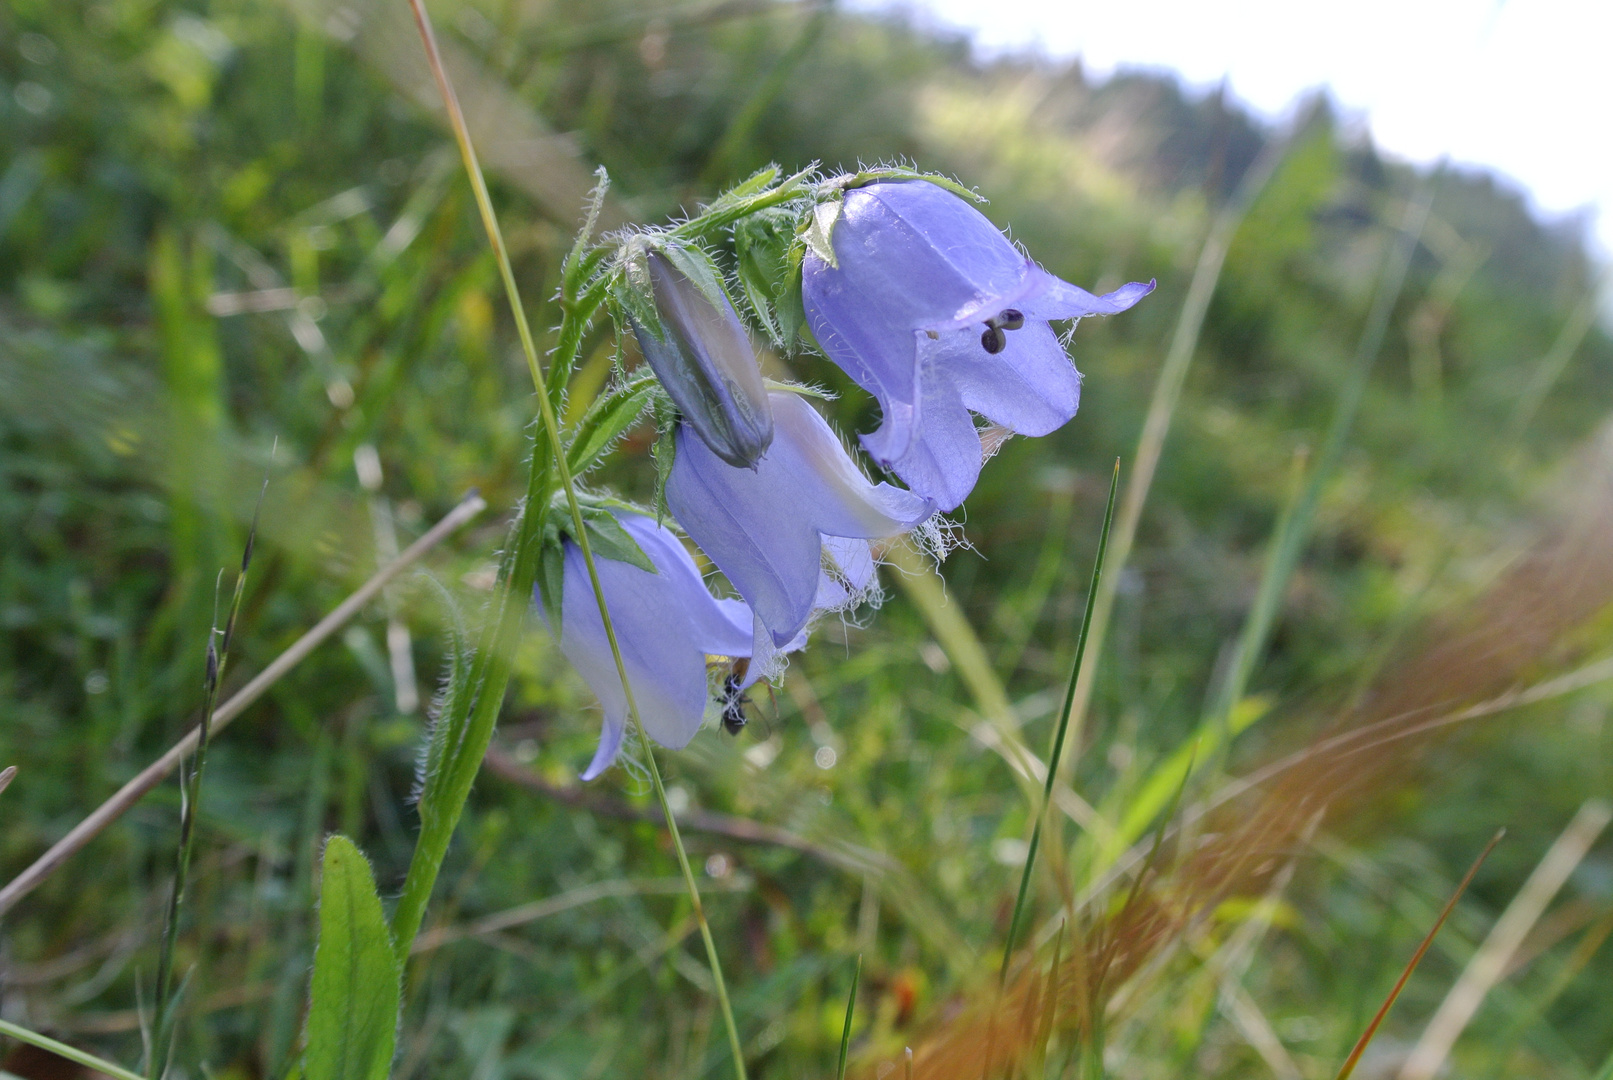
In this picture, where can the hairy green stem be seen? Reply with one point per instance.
(468, 752)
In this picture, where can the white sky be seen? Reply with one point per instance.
(1524, 87)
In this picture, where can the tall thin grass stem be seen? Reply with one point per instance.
(1416, 958)
(851, 1008)
(412, 907)
(1062, 730)
(217, 657)
(1168, 391)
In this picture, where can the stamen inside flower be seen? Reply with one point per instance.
(994, 340)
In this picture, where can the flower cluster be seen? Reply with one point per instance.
(916, 296)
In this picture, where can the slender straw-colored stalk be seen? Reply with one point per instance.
(411, 910)
(1416, 958)
(62, 1050)
(1294, 527)
(1162, 407)
(153, 774)
(1489, 964)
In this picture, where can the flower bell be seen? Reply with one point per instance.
(694, 342)
(791, 534)
(667, 624)
(923, 302)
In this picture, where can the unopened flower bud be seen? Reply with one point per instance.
(703, 355)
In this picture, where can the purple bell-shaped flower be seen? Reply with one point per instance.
(930, 308)
(667, 624)
(792, 534)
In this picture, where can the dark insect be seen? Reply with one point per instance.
(994, 340)
(733, 698)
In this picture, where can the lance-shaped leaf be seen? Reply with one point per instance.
(353, 1007)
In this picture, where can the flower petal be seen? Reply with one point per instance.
(941, 460)
(1054, 298)
(1029, 386)
(764, 529)
(666, 624)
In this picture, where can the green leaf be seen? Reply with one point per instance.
(353, 1007)
(606, 420)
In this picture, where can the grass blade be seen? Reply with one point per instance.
(1063, 727)
(1416, 958)
(217, 657)
(851, 1007)
(62, 1050)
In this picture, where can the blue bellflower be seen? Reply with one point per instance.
(792, 534)
(703, 355)
(667, 624)
(931, 309)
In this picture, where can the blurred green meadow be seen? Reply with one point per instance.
(236, 241)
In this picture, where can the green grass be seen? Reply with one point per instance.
(229, 226)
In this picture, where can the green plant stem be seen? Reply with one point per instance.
(71, 1053)
(217, 656)
(412, 906)
(1062, 730)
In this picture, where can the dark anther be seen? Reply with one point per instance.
(994, 340)
(1011, 319)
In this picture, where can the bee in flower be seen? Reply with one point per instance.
(667, 624)
(927, 306)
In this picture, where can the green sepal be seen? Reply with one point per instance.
(865, 177)
(632, 289)
(665, 451)
(551, 582)
(818, 233)
(770, 271)
(606, 420)
(608, 540)
(606, 537)
(692, 262)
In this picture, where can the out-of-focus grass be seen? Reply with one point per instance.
(227, 222)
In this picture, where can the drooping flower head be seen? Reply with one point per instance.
(694, 342)
(667, 625)
(792, 534)
(923, 302)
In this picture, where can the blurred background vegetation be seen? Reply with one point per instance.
(227, 225)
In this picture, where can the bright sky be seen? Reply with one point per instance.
(1524, 87)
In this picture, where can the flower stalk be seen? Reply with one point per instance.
(467, 752)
